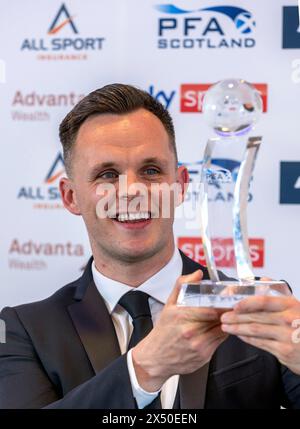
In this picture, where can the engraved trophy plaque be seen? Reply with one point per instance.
(231, 107)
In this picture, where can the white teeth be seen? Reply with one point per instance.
(125, 217)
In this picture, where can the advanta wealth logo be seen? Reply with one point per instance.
(47, 195)
(205, 28)
(32, 255)
(34, 106)
(72, 47)
(290, 182)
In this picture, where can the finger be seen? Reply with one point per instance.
(286, 290)
(213, 338)
(270, 318)
(262, 303)
(199, 314)
(257, 330)
(196, 330)
(214, 334)
(196, 276)
(214, 344)
(270, 346)
(208, 347)
(208, 327)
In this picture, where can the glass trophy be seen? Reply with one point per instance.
(231, 108)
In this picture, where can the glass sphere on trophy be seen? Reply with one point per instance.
(231, 107)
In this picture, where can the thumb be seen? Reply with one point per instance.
(195, 277)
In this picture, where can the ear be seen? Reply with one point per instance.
(183, 179)
(68, 196)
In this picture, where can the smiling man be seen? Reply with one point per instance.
(115, 338)
(137, 146)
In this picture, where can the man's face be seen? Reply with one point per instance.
(136, 146)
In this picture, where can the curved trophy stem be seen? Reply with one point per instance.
(240, 231)
(206, 237)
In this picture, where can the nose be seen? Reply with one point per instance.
(132, 183)
(130, 187)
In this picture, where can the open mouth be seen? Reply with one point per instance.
(139, 219)
(132, 217)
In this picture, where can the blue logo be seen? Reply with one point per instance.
(58, 46)
(68, 20)
(56, 169)
(291, 28)
(205, 28)
(163, 97)
(223, 171)
(46, 195)
(290, 182)
(226, 167)
(241, 18)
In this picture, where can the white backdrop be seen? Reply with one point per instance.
(48, 63)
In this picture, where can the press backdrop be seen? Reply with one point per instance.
(52, 53)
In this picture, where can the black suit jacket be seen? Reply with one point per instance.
(63, 352)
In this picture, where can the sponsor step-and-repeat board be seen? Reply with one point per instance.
(53, 53)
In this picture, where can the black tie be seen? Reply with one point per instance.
(137, 305)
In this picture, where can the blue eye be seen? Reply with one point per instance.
(151, 171)
(109, 175)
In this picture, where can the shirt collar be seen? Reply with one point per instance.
(159, 286)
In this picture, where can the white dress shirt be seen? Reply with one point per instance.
(159, 288)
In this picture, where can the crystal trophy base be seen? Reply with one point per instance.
(225, 294)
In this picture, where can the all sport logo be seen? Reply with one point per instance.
(55, 27)
(70, 46)
(46, 195)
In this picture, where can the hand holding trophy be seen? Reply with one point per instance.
(231, 108)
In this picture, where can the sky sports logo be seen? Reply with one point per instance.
(192, 94)
(221, 27)
(223, 250)
(65, 48)
(290, 182)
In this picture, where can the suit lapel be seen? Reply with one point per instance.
(95, 328)
(192, 387)
(93, 323)
(189, 266)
